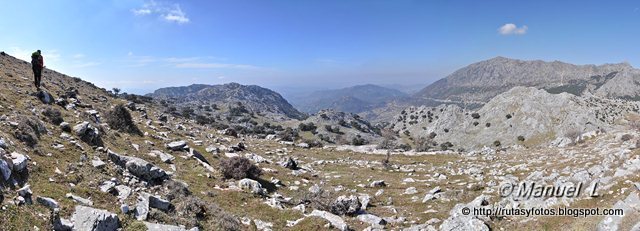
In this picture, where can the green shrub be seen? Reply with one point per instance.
(53, 115)
(446, 145)
(307, 127)
(120, 119)
(202, 120)
(29, 130)
(239, 168)
(289, 135)
(358, 140)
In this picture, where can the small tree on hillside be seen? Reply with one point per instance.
(388, 139)
(116, 91)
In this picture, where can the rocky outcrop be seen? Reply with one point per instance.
(458, 221)
(88, 133)
(631, 207)
(252, 186)
(346, 205)
(335, 221)
(91, 219)
(13, 169)
(164, 157)
(139, 167)
(521, 116)
(177, 145)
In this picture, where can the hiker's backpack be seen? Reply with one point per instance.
(35, 59)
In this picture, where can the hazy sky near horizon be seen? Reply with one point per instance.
(141, 45)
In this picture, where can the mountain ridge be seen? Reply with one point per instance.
(255, 98)
(483, 80)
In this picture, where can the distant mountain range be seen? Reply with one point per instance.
(469, 87)
(254, 98)
(354, 99)
(481, 81)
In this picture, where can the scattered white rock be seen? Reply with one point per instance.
(87, 218)
(335, 221)
(48, 202)
(80, 200)
(251, 186)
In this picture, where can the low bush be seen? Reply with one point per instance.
(626, 137)
(239, 168)
(202, 120)
(29, 130)
(446, 145)
(358, 140)
(193, 211)
(307, 127)
(53, 115)
(404, 147)
(289, 135)
(120, 119)
(422, 144)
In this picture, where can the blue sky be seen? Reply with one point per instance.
(143, 45)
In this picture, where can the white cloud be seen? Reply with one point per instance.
(176, 15)
(25, 54)
(512, 29)
(140, 12)
(20, 53)
(215, 65)
(78, 56)
(166, 11)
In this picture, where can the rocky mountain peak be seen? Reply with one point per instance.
(481, 81)
(254, 98)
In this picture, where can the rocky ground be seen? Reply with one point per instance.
(67, 165)
(508, 119)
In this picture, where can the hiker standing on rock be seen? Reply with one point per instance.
(37, 63)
